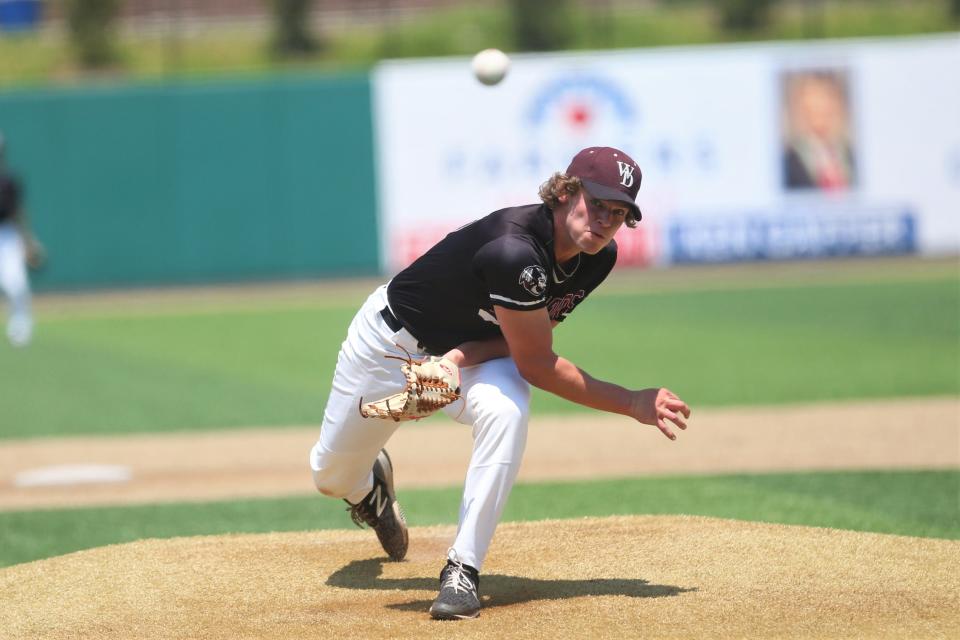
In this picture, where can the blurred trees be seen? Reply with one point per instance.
(541, 25)
(744, 15)
(93, 39)
(549, 25)
(91, 23)
(292, 35)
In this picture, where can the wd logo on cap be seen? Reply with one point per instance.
(626, 173)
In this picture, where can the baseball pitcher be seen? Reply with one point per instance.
(467, 328)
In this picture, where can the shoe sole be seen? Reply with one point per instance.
(440, 614)
(387, 477)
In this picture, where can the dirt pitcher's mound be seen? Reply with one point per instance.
(623, 577)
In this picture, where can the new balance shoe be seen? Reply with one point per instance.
(381, 511)
(458, 598)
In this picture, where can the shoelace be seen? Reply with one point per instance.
(361, 515)
(458, 579)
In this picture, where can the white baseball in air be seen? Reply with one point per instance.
(490, 66)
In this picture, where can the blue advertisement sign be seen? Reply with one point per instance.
(784, 237)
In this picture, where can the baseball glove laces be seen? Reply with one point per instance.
(431, 384)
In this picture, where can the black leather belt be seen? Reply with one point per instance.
(390, 319)
(394, 324)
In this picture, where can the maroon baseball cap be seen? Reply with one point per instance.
(608, 174)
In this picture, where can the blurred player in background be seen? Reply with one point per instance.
(486, 298)
(18, 249)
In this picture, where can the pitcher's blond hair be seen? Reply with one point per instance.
(560, 184)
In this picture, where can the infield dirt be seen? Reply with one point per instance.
(920, 433)
(621, 577)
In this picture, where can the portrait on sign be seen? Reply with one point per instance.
(817, 132)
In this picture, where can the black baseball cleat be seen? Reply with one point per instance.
(458, 597)
(381, 511)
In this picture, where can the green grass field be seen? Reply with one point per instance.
(882, 502)
(889, 330)
(270, 363)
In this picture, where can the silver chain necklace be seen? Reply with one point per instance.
(566, 276)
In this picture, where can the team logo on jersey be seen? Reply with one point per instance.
(626, 174)
(534, 280)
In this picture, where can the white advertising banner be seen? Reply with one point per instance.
(748, 152)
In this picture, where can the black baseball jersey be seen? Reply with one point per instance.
(446, 296)
(9, 196)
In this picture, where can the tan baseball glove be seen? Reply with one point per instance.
(432, 384)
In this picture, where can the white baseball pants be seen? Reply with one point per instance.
(496, 403)
(14, 284)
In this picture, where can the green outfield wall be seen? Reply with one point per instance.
(199, 181)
